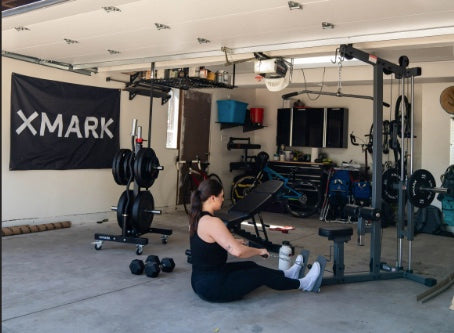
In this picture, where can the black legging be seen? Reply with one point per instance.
(236, 279)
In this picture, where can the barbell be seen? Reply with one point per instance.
(421, 188)
(144, 165)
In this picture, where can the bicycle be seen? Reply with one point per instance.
(193, 178)
(300, 199)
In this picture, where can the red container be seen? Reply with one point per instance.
(256, 115)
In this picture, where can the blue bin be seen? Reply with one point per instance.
(231, 111)
(448, 210)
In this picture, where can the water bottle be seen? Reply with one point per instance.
(285, 252)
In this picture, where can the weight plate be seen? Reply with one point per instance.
(141, 215)
(146, 167)
(120, 168)
(417, 192)
(390, 181)
(122, 209)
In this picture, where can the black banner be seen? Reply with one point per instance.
(57, 125)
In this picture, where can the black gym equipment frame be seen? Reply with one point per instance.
(132, 235)
(380, 67)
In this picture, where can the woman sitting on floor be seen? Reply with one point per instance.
(216, 280)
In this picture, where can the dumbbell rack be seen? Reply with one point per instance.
(135, 209)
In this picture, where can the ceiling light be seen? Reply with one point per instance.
(71, 41)
(160, 26)
(203, 40)
(110, 9)
(21, 28)
(327, 25)
(294, 5)
(113, 52)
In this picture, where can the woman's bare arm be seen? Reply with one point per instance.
(213, 229)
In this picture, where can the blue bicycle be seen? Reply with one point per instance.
(301, 199)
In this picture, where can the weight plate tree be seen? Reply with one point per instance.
(135, 209)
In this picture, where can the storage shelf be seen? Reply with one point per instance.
(246, 127)
(187, 83)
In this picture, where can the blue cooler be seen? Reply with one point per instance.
(231, 111)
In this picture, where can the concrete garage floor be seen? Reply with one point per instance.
(55, 281)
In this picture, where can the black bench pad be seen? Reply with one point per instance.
(233, 217)
(251, 204)
(270, 186)
(333, 232)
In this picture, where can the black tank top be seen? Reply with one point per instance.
(206, 256)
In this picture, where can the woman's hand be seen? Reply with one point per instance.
(264, 253)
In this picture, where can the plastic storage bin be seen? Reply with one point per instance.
(231, 111)
(257, 115)
(448, 210)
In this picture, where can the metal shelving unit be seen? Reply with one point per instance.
(187, 83)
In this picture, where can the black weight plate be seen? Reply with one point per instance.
(121, 209)
(145, 167)
(390, 181)
(119, 166)
(421, 179)
(142, 218)
(127, 170)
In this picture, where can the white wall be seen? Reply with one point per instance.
(41, 195)
(47, 193)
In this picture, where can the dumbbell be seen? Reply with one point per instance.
(136, 267)
(189, 256)
(153, 265)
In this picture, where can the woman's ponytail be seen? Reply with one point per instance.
(207, 188)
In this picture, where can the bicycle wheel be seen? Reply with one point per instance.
(307, 204)
(186, 190)
(215, 176)
(241, 188)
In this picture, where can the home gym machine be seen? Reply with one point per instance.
(373, 214)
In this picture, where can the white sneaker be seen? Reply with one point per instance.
(307, 283)
(294, 271)
(299, 260)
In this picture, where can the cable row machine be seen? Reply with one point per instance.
(339, 235)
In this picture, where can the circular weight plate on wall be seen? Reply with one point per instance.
(141, 211)
(417, 192)
(146, 167)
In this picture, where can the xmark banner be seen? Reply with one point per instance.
(57, 125)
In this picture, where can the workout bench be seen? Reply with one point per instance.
(248, 208)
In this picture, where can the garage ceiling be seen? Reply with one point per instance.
(118, 35)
